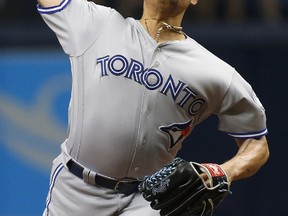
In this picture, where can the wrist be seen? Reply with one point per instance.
(229, 171)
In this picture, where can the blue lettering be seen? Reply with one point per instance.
(102, 62)
(170, 85)
(196, 106)
(135, 69)
(152, 79)
(118, 64)
(189, 94)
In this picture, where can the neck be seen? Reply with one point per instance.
(157, 12)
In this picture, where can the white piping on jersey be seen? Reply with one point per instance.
(53, 9)
(249, 135)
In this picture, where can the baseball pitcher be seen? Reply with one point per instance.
(139, 88)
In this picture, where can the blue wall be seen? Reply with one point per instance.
(34, 93)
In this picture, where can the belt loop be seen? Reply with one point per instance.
(89, 176)
(65, 157)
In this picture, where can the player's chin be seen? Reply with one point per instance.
(175, 2)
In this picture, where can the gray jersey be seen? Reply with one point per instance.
(133, 101)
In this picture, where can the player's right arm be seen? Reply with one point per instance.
(49, 3)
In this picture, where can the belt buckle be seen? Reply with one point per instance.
(116, 187)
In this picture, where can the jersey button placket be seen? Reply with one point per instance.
(157, 51)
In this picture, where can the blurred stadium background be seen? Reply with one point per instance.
(251, 35)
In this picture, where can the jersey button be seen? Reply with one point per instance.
(137, 169)
(148, 112)
(158, 50)
(156, 64)
(144, 141)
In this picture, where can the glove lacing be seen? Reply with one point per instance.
(163, 173)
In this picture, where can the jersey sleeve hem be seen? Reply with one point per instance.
(256, 134)
(53, 9)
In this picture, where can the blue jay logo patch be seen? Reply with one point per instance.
(177, 131)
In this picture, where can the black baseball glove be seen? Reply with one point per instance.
(185, 188)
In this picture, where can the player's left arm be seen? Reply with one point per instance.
(251, 156)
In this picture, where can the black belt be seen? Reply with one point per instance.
(125, 187)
